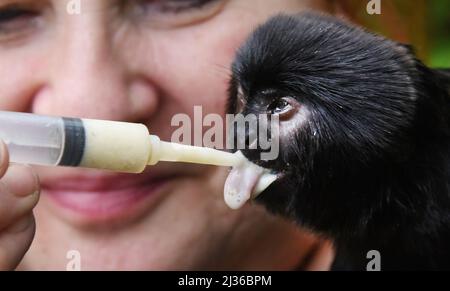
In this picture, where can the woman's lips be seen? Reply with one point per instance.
(104, 197)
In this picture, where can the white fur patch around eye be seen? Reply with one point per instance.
(297, 121)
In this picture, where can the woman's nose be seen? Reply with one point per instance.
(89, 78)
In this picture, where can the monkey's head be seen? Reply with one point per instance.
(347, 103)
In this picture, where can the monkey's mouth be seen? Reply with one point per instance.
(246, 181)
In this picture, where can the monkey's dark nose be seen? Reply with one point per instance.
(244, 137)
(253, 148)
(251, 138)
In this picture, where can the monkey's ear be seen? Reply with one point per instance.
(407, 49)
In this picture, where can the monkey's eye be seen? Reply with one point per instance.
(282, 107)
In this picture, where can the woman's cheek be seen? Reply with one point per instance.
(198, 58)
(22, 72)
(197, 62)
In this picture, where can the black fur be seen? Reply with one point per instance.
(371, 166)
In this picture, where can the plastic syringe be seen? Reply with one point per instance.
(99, 144)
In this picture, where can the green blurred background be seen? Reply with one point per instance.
(439, 33)
(423, 23)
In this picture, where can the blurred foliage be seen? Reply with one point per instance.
(423, 23)
(439, 32)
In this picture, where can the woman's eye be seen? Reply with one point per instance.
(282, 106)
(177, 6)
(15, 20)
(174, 13)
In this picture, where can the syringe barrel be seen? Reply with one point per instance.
(55, 141)
(32, 139)
(116, 146)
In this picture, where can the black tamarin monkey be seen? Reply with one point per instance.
(364, 138)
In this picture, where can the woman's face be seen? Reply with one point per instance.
(138, 61)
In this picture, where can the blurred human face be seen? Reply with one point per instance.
(138, 61)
